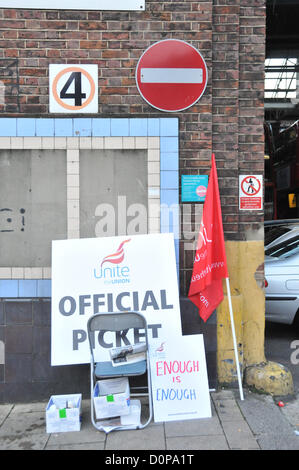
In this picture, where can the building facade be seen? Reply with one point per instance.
(48, 167)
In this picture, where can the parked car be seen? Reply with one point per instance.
(282, 278)
(277, 231)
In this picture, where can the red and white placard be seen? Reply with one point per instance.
(179, 378)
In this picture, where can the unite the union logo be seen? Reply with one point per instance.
(114, 274)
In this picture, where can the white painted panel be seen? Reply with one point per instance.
(171, 75)
(75, 4)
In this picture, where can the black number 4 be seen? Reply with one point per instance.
(78, 96)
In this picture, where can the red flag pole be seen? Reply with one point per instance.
(230, 307)
(210, 265)
(231, 313)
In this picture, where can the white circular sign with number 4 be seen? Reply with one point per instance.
(73, 88)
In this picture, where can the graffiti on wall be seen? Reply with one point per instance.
(9, 86)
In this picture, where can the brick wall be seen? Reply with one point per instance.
(251, 98)
(228, 119)
(27, 374)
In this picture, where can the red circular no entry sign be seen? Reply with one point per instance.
(171, 75)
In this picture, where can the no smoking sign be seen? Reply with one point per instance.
(250, 192)
(73, 88)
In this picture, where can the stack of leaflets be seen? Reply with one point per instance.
(128, 354)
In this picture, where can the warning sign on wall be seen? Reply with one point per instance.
(73, 88)
(250, 192)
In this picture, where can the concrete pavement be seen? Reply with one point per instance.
(256, 423)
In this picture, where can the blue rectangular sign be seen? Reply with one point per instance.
(194, 188)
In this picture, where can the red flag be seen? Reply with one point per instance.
(210, 265)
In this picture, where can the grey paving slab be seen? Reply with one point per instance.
(21, 428)
(239, 436)
(263, 416)
(78, 446)
(87, 434)
(23, 423)
(29, 407)
(275, 442)
(227, 410)
(4, 412)
(23, 441)
(217, 442)
(196, 427)
(223, 395)
(267, 422)
(291, 412)
(149, 438)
